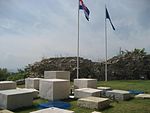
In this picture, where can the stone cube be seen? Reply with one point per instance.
(54, 89)
(32, 83)
(53, 110)
(86, 92)
(119, 94)
(85, 83)
(5, 85)
(57, 75)
(93, 103)
(15, 98)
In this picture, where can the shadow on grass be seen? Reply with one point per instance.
(107, 108)
(31, 108)
(70, 100)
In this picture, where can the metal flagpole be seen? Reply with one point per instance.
(105, 46)
(78, 42)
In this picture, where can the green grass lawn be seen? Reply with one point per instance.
(142, 85)
(131, 106)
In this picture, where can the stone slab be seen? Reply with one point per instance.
(96, 112)
(34, 91)
(32, 83)
(104, 89)
(54, 89)
(6, 111)
(86, 92)
(119, 94)
(20, 82)
(15, 98)
(85, 83)
(144, 96)
(93, 103)
(57, 75)
(53, 110)
(5, 85)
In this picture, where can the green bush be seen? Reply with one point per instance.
(4, 74)
(17, 76)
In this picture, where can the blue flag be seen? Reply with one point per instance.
(108, 17)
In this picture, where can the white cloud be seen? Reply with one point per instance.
(31, 29)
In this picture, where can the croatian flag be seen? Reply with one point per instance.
(85, 9)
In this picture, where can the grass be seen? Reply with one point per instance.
(131, 106)
(142, 85)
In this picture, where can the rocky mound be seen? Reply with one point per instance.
(128, 65)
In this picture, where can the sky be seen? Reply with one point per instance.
(34, 29)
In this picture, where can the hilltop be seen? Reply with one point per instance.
(129, 65)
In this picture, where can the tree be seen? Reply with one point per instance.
(4, 74)
(21, 74)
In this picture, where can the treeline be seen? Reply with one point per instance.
(6, 75)
(128, 65)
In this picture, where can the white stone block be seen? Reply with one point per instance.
(5, 111)
(57, 75)
(53, 110)
(144, 96)
(104, 89)
(34, 91)
(32, 83)
(96, 112)
(15, 98)
(5, 85)
(86, 92)
(85, 83)
(54, 89)
(119, 94)
(93, 103)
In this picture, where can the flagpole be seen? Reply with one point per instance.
(78, 43)
(105, 46)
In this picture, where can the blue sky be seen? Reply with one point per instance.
(32, 29)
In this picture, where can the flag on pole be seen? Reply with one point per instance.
(108, 17)
(85, 9)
